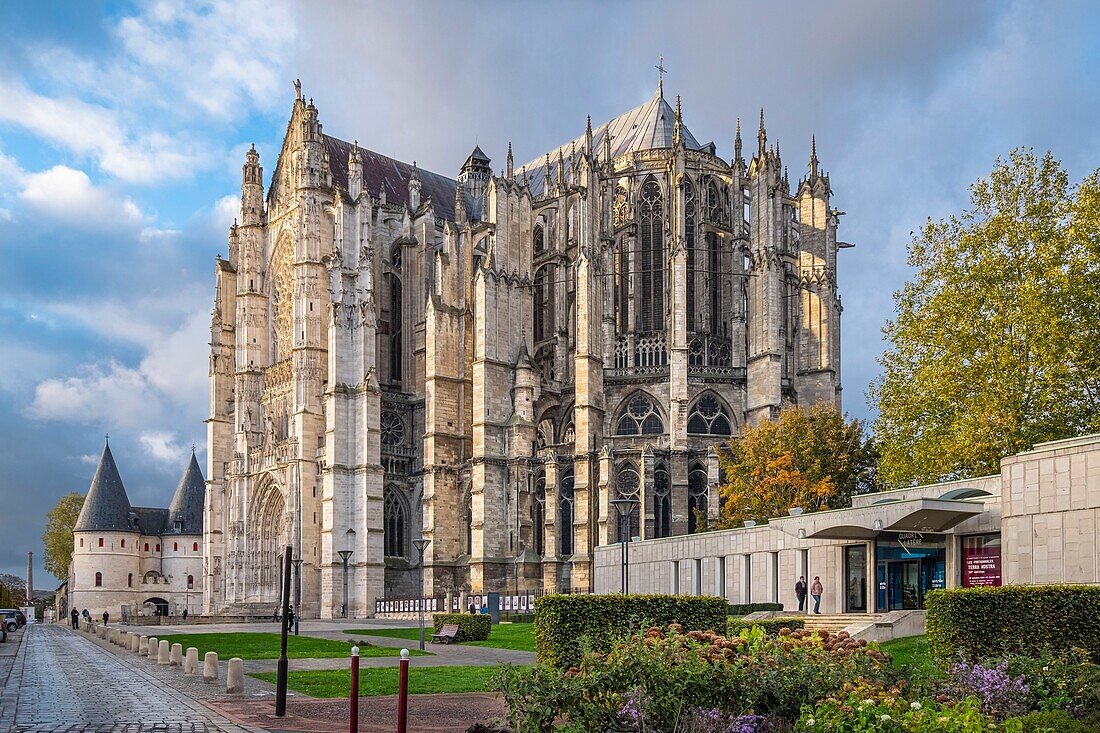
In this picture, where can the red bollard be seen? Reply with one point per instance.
(403, 692)
(354, 692)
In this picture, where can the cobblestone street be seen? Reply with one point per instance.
(62, 681)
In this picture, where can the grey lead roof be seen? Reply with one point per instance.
(188, 501)
(107, 507)
(645, 127)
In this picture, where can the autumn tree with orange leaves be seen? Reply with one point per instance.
(810, 458)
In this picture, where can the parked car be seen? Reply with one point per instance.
(20, 617)
(11, 621)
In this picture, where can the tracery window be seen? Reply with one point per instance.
(689, 245)
(538, 240)
(716, 204)
(650, 302)
(708, 417)
(538, 514)
(392, 428)
(662, 502)
(565, 512)
(620, 208)
(639, 417)
(395, 326)
(395, 525)
(468, 519)
(697, 498)
(544, 302)
(628, 486)
(713, 280)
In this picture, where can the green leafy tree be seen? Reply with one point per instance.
(58, 537)
(17, 589)
(995, 346)
(813, 458)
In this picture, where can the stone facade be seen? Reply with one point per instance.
(489, 361)
(1041, 511)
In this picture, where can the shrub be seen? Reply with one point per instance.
(771, 626)
(567, 625)
(1052, 721)
(1000, 694)
(981, 622)
(471, 627)
(897, 716)
(744, 609)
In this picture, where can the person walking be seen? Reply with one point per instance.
(816, 589)
(290, 618)
(105, 617)
(75, 617)
(800, 592)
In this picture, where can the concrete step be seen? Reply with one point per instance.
(837, 622)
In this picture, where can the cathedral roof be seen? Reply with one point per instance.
(381, 173)
(645, 127)
(151, 521)
(188, 501)
(106, 507)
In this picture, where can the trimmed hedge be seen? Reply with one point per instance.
(471, 626)
(568, 625)
(744, 609)
(771, 626)
(981, 622)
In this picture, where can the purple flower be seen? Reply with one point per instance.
(750, 724)
(1001, 695)
(632, 712)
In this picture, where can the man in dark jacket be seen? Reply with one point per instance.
(75, 615)
(800, 592)
(105, 617)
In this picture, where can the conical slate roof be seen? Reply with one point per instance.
(106, 507)
(187, 503)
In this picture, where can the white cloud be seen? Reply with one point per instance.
(161, 445)
(69, 196)
(153, 235)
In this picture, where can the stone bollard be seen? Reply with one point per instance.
(234, 678)
(135, 641)
(164, 653)
(151, 647)
(143, 645)
(210, 667)
(191, 661)
(175, 657)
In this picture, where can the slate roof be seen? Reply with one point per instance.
(645, 127)
(188, 501)
(381, 172)
(106, 508)
(151, 521)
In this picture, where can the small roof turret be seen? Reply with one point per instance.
(106, 508)
(185, 511)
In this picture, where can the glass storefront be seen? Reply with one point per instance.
(855, 573)
(909, 564)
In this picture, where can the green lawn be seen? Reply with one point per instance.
(383, 680)
(502, 636)
(911, 651)
(256, 645)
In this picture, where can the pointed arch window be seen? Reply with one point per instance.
(544, 302)
(708, 417)
(395, 524)
(689, 248)
(628, 486)
(639, 417)
(468, 519)
(395, 324)
(538, 240)
(716, 204)
(697, 498)
(565, 512)
(650, 302)
(538, 515)
(662, 502)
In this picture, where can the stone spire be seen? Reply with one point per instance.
(355, 171)
(677, 125)
(107, 506)
(414, 188)
(561, 170)
(737, 157)
(510, 174)
(762, 136)
(546, 190)
(252, 189)
(185, 511)
(813, 156)
(588, 135)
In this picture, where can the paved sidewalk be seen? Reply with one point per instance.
(62, 681)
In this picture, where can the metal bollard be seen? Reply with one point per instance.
(403, 692)
(353, 692)
(210, 667)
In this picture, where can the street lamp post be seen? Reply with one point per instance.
(421, 544)
(345, 555)
(298, 591)
(625, 508)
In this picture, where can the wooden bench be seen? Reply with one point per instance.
(446, 634)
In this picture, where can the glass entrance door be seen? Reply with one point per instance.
(903, 585)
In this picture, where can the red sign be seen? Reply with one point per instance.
(981, 563)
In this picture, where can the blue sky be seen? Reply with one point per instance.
(123, 128)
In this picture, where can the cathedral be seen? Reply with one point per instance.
(488, 361)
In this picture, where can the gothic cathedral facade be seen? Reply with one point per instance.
(488, 362)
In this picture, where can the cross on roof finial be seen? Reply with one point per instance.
(106, 437)
(661, 71)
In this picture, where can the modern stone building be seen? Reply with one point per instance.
(131, 560)
(1034, 523)
(488, 361)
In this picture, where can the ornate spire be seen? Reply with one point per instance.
(509, 169)
(762, 136)
(561, 170)
(813, 156)
(737, 144)
(549, 170)
(607, 145)
(588, 135)
(677, 125)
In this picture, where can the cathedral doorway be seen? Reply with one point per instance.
(156, 606)
(267, 540)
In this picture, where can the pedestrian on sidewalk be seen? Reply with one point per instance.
(800, 592)
(275, 615)
(76, 618)
(105, 617)
(87, 616)
(290, 617)
(816, 590)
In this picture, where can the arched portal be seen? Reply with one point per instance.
(267, 539)
(156, 606)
